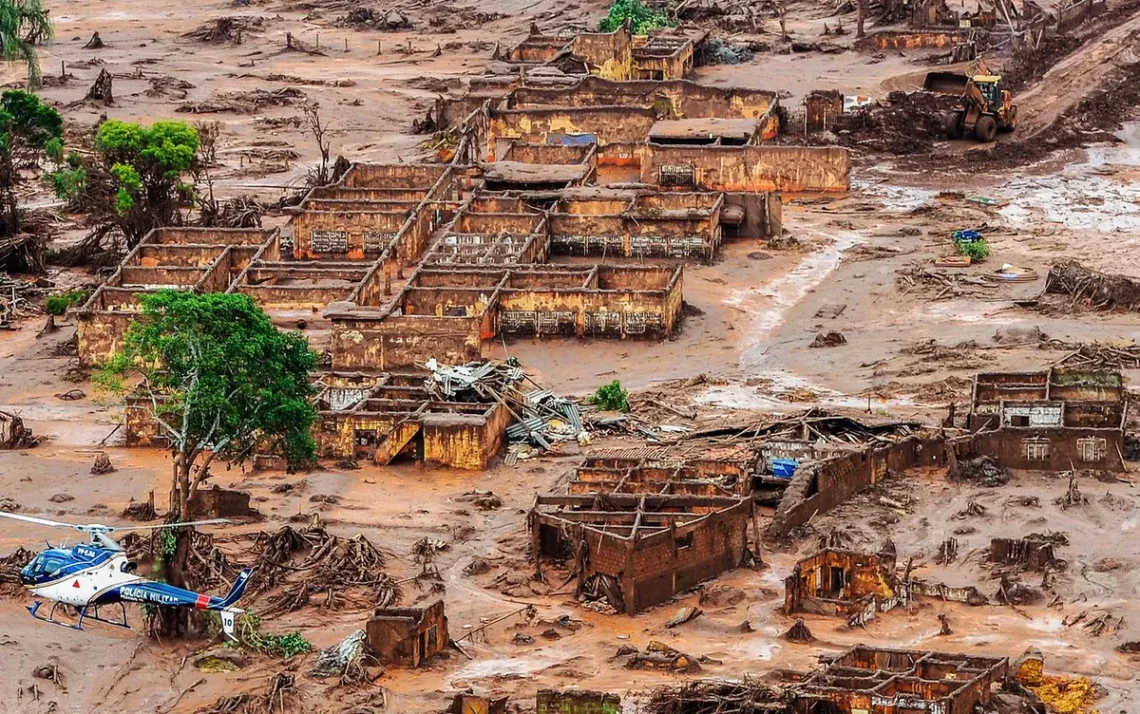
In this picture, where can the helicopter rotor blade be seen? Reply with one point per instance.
(39, 521)
(209, 522)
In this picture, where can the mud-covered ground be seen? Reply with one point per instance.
(853, 264)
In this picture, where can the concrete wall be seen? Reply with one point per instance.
(889, 40)
(788, 169)
(358, 233)
(820, 486)
(589, 124)
(401, 342)
(466, 441)
(576, 701)
(1053, 449)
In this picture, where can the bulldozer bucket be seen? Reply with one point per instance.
(946, 82)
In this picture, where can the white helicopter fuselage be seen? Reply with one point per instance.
(81, 587)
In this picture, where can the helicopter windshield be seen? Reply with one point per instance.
(39, 569)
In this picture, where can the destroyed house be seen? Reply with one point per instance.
(866, 680)
(1053, 420)
(637, 224)
(655, 471)
(840, 582)
(407, 636)
(637, 551)
(384, 417)
(201, 259)
(615, 55)
(448, 313)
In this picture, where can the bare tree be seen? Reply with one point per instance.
(861, 15)
(321, 176)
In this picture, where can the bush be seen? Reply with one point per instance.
(641, 17)
(977, 250)
(611, 397)
(284, 646)
(58, 304)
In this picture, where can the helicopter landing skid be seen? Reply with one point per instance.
(83, 615)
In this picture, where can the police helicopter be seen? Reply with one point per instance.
(98, 574)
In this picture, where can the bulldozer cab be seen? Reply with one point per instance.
(988, 87)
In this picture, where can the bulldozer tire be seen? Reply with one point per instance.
(985, 129)
(954, 125)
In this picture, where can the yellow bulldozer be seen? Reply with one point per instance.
(986, 107)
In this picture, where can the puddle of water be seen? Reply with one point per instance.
(1080, 197)
(896, 199)
(523, 666)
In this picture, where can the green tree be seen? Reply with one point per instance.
(641, 17)
(29, 130)
(147, 167)
(221, 380)
(23, 24)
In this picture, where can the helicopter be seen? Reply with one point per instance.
(99, 574)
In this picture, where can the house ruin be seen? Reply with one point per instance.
(1054, 420)
(889, 681)
(407, 636)
(634, 551)
(841, 582)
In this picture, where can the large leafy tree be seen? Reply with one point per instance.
(29, 130)
(147, 165)
(221, 380)
(138, 178)
(23, 24)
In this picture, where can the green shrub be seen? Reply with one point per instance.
(58, 304)
(642, 18)
(977, 250)
(611, 397)
(284, 646)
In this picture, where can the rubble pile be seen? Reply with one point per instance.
(10, 566)
(367, 18)
(906, 123)
(1092, 288)
(540, 417)
(711, 695)
(1096, 355)
(300, 564)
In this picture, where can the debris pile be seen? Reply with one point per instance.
(983, 470)
(747, 696)
(10, 566)
(540, 417)
(225, 29)
(1092, 288)
(828, 339)
(245, 102)
(799, 632)
(13, 433)
(366, 17)
(1096, 355)
(280, 695)
(301, 564)
(945, 284)
(349, 661)
(906, 123)
(660, 656)
(717, 51)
